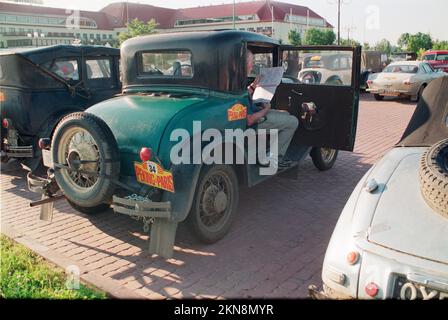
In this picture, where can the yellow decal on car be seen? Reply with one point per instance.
(237, 112)
(154, 175)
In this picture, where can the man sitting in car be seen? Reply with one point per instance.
(267, 118)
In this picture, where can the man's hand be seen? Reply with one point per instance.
(267, 106)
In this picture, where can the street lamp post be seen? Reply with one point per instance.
(340, 2)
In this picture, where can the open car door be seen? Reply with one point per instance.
(321, 87)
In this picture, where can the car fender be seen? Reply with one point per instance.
(186, 178)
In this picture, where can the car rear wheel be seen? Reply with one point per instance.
(215, 203)
(419, 94)
(434, 177)
(324, 158)
(86, 161)
(378, 97)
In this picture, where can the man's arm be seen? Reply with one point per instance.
(255, 117)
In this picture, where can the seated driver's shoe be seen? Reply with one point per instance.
(268, 161)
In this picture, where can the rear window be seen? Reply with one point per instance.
(401, 69)
(175, 63)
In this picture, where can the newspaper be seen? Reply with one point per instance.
(270, 79)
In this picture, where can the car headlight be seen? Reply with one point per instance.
(310, 77)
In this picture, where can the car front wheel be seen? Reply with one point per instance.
(324, 158)
(215, 203)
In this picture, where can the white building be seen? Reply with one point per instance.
(30, 25)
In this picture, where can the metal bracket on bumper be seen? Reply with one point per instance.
(20, 152)
(50, 193)
(163, 230)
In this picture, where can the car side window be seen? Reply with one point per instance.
(64, 68)
(98, 69)
(174, 63)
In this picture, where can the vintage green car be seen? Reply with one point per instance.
(176, 87)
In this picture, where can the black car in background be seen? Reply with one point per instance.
(39, 86)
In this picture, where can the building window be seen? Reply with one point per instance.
(91, 36)
(110, 37)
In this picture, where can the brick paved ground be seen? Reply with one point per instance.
(275, 248)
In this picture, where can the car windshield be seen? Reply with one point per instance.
(402, 68)
(429, 57)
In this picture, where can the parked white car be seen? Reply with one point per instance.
(391, 240)
(333, 69)
(402, 79)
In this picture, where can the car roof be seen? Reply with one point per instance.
(411, 63)
(221, 37)
(436, 52)
(42, 54)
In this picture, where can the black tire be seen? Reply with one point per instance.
(89, 210)
(434, 177)
(378, 97)
(94, 141)
(419, 94)
(206, 231)
(324, 158)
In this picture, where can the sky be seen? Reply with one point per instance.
(364, 20)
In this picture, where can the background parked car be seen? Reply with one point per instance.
(39, 86)
(438, 59)
(329, 68)
(402, 79)
(391, 240)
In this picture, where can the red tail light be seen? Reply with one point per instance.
(145, 154)
(372, 289)
(6, 123)
(44, 143)
(352, 257)
(369, 82)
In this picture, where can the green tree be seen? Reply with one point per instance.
(366, 46)
(384, 46)
(294, 37)
(419, 41)
(403, 41)
(440, 45)
(319, 37)
(138, 28)
(349, 42)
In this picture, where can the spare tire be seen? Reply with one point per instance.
(434, 177)
(85, 144)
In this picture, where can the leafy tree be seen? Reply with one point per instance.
(294, 38)
(138, 28)
(384, 46)
(403, 41)
(415, 42)
(440, 45)
(419, 41)
(350, 42)
(319, 37)
(366, 46)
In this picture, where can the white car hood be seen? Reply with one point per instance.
(403, 221)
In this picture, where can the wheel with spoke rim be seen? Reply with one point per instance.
(324, 158)
(87, 151)
(215, 203)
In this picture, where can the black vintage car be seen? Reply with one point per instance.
(39, 86)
